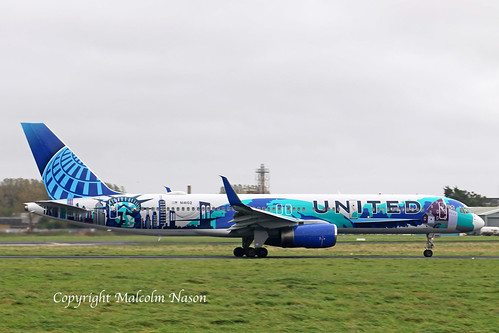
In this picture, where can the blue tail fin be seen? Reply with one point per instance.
(63, 174)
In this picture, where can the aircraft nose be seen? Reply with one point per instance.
(478, 222)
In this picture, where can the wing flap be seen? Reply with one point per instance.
(259, 218)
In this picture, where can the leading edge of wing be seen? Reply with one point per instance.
(247, 216)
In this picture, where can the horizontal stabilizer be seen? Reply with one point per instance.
(52, 204)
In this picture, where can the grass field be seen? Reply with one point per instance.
(269, 295)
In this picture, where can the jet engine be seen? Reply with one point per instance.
(316, 235)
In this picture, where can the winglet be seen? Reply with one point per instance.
(231, 194)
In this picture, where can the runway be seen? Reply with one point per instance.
(201, 257)
(244, 258)
(117, 243)
(69, 244)
(104, 243)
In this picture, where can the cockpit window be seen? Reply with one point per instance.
(459, 206)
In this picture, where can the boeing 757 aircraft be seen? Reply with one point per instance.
(78, 196)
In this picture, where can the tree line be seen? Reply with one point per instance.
(470, 199)
(14, 192)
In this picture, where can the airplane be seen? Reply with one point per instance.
(79, 197)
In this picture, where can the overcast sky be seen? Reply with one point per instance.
(333, 96)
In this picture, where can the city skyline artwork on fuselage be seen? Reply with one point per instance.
(154, 212)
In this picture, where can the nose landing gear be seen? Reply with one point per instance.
(429, 245)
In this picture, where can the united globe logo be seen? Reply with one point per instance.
(67, 177)
(123, 212)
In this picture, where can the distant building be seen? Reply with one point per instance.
(262, 183)
(492, 201)
(242, 189)
(15, 222)
(262, 179)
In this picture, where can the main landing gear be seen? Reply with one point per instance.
(248, 251)
(251, 252)
(429, 245)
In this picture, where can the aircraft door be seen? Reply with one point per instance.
(100, 216)
(452, 224)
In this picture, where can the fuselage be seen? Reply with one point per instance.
(211, 214)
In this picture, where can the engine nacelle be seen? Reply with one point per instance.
(316, 235)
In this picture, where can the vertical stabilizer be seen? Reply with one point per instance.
(65, 176)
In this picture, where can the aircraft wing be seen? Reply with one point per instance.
(249, 217)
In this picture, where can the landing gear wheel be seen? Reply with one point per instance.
(428, 253)
(261, 252)
(239, 252)
(429, 245)
(250, 252)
